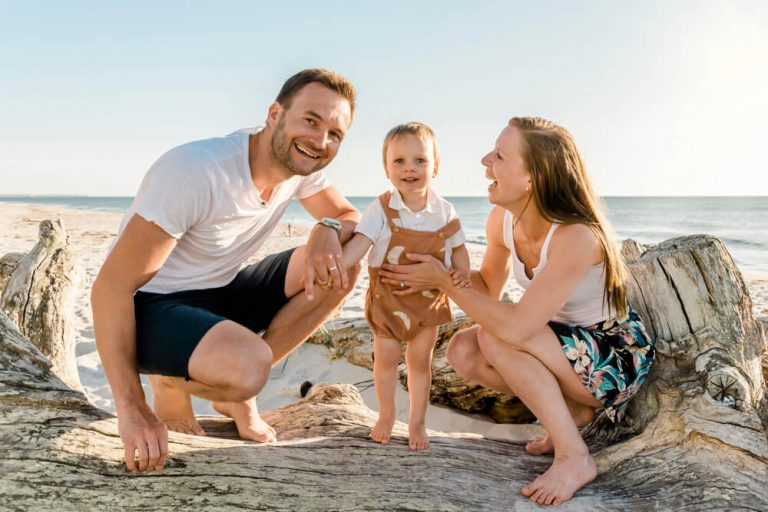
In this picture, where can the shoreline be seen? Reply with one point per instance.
(91, 233)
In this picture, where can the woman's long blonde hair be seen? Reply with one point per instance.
(563, 193)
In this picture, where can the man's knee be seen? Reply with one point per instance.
(337, 295)
(245, 369)
(352, 274)
(246, 379)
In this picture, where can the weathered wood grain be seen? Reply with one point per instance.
(700, 443)
(39, 297)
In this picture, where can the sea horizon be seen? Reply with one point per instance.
(741, 222)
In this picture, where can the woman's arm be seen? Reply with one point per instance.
(572, 251)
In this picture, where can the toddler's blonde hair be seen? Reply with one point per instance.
(423, 132)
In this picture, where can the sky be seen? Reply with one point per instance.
(663, 97)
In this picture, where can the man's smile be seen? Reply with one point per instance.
(306, 151)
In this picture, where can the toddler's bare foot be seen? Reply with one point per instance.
(567, 475)
(249, 424)
(382, 431)
(543, 444)
(173, 406)
(417, 436)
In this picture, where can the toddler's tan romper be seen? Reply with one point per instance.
(400, 316)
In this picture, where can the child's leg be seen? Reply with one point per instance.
(418, 358)
(386, 357)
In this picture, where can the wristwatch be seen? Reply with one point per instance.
(330, 222)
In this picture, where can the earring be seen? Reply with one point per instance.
(526, 188)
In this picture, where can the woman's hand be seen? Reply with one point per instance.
(426, 273)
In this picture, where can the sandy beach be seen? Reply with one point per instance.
(92, 232)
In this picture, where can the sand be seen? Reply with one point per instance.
(92, 232)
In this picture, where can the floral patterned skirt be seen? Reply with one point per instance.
(611, 358)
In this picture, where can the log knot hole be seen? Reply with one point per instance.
(723, 380)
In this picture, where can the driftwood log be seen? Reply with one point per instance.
(39, 295)
(700, 445)
(352, 339)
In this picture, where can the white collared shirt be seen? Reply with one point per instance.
(437, 213)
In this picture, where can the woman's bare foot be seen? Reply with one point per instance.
(249, 424)
(382, 431)
(567, 475)
(417, 436)
(173, 406)
(582, 415)
(540, 445)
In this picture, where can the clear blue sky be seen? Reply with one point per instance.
(664, 97)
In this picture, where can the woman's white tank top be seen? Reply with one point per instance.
(586, 305)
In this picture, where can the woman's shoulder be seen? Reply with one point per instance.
(497, 215)
(575, 239)
(576, 232)
(495, 226)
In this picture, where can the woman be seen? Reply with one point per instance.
(570, 345)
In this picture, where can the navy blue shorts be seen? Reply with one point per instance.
(170, 325)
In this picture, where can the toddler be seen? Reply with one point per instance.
(411, 218)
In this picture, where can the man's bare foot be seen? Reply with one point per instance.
(567, 475)
(382, 431)
(249, 424)
(173, 406)
(417, 436)
(543, 444)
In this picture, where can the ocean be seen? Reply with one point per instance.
(741, 222)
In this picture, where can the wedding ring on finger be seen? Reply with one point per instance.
(402, 285)
(332, 268)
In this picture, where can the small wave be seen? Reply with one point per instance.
(736, 242)
(477, 240)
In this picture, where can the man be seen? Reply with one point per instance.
(171, 300)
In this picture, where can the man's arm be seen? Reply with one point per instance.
(138, 254)
(323, 260)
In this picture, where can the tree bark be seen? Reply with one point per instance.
(39, 297)
(8, 264)
(701, 444)
(353, 340)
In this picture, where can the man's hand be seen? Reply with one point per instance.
(140, 430)
(323, 261)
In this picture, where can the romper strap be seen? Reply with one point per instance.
(449, 229)
(389, 212)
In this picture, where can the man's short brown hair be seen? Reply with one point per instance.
(332, 80)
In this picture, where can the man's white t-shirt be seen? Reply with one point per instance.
(437, 213)
(202, 194)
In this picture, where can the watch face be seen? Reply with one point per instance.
(331, 223)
